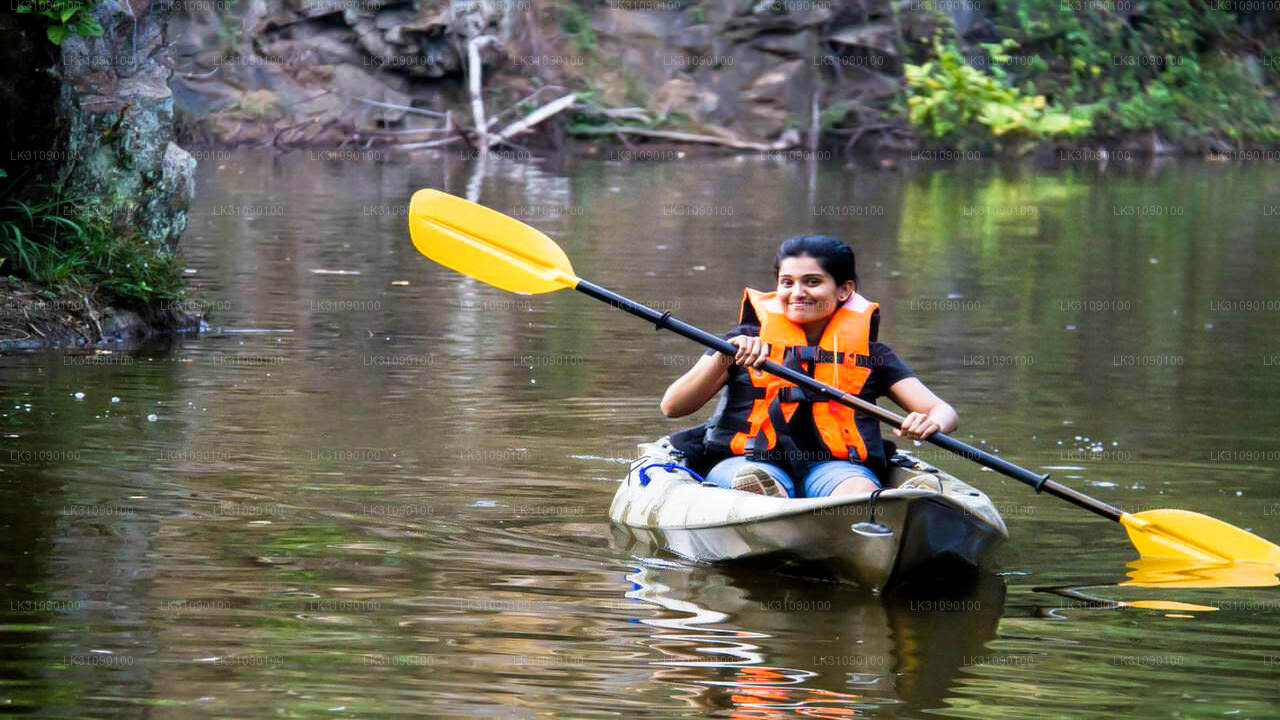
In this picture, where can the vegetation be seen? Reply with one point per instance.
(576, 23)
(1101, 68)
(63, 18)
(949, 99)
(63, 246)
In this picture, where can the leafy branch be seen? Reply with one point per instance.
(63, 18)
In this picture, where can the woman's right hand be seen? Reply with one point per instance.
(752, 351)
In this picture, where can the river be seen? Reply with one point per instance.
(376, 488)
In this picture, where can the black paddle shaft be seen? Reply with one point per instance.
(1041, 483)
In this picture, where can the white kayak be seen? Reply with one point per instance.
(924, 519)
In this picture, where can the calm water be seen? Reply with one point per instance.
(380, 489)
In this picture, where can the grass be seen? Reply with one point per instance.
(56, 244)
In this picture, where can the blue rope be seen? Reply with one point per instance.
(673, 467)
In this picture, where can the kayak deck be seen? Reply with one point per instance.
(923, 518)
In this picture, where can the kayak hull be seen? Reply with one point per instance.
(924, 520)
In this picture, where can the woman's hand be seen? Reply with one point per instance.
(917, 426)
(927, 413)
(752, 351)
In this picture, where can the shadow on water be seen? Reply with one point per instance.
(741, 644)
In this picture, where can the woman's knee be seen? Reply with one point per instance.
(839, 478)
(723, 472)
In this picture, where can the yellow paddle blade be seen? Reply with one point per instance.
(1192, 536)
(487, 245)
(1168, 605)
(1183, 573)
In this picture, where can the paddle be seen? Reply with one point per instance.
(504, 252)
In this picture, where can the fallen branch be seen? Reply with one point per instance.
(529, 120)
(686, 137)
(631, 113)
(428, 144)
(32, 324)
(531, 96)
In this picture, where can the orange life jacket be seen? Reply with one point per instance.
(842, 358)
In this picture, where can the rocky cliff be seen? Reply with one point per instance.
(333, 71)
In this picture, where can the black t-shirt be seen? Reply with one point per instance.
(886, 369)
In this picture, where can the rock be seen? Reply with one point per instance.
(773, 84)
(871, 46)
(775, 98)
(352, 82)
(641, 40)
(198, 98)
(634, 24)
(612, 88)
(388, 20)
(797, 45)
(305, 45)
(418, 44)
(684, 96)
(776, 16)
(230, 129)
(118, 110)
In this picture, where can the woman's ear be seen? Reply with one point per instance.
(846, 290)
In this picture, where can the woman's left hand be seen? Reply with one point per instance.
(916, 426)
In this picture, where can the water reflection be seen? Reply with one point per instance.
(391, 498)
(1181, 573)
(738, 644)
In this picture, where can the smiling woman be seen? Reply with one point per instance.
(768, 435)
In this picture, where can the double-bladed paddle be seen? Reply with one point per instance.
(507, 254)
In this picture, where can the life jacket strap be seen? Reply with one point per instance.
(791, 393)
(801, 360)
(787, 453)
(815, 354)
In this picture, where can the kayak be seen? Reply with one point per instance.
(924, 520)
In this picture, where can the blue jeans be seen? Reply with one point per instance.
(823, 477)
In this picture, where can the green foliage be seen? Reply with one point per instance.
(1217, 98)
(60, 244)
(262, 104)
(576, 22)
(948, 99)
(63, 18)
(230, 32)
(832, 115)
(1158, 66)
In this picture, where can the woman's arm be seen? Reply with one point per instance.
(926, 413)
(693, 389)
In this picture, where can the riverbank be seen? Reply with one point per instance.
(93, 192)
(889, 78)
(32, 318)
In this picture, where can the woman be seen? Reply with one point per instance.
(774, 437)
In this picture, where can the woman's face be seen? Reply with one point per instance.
(807, 292)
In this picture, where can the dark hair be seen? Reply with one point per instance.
(832, 254)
